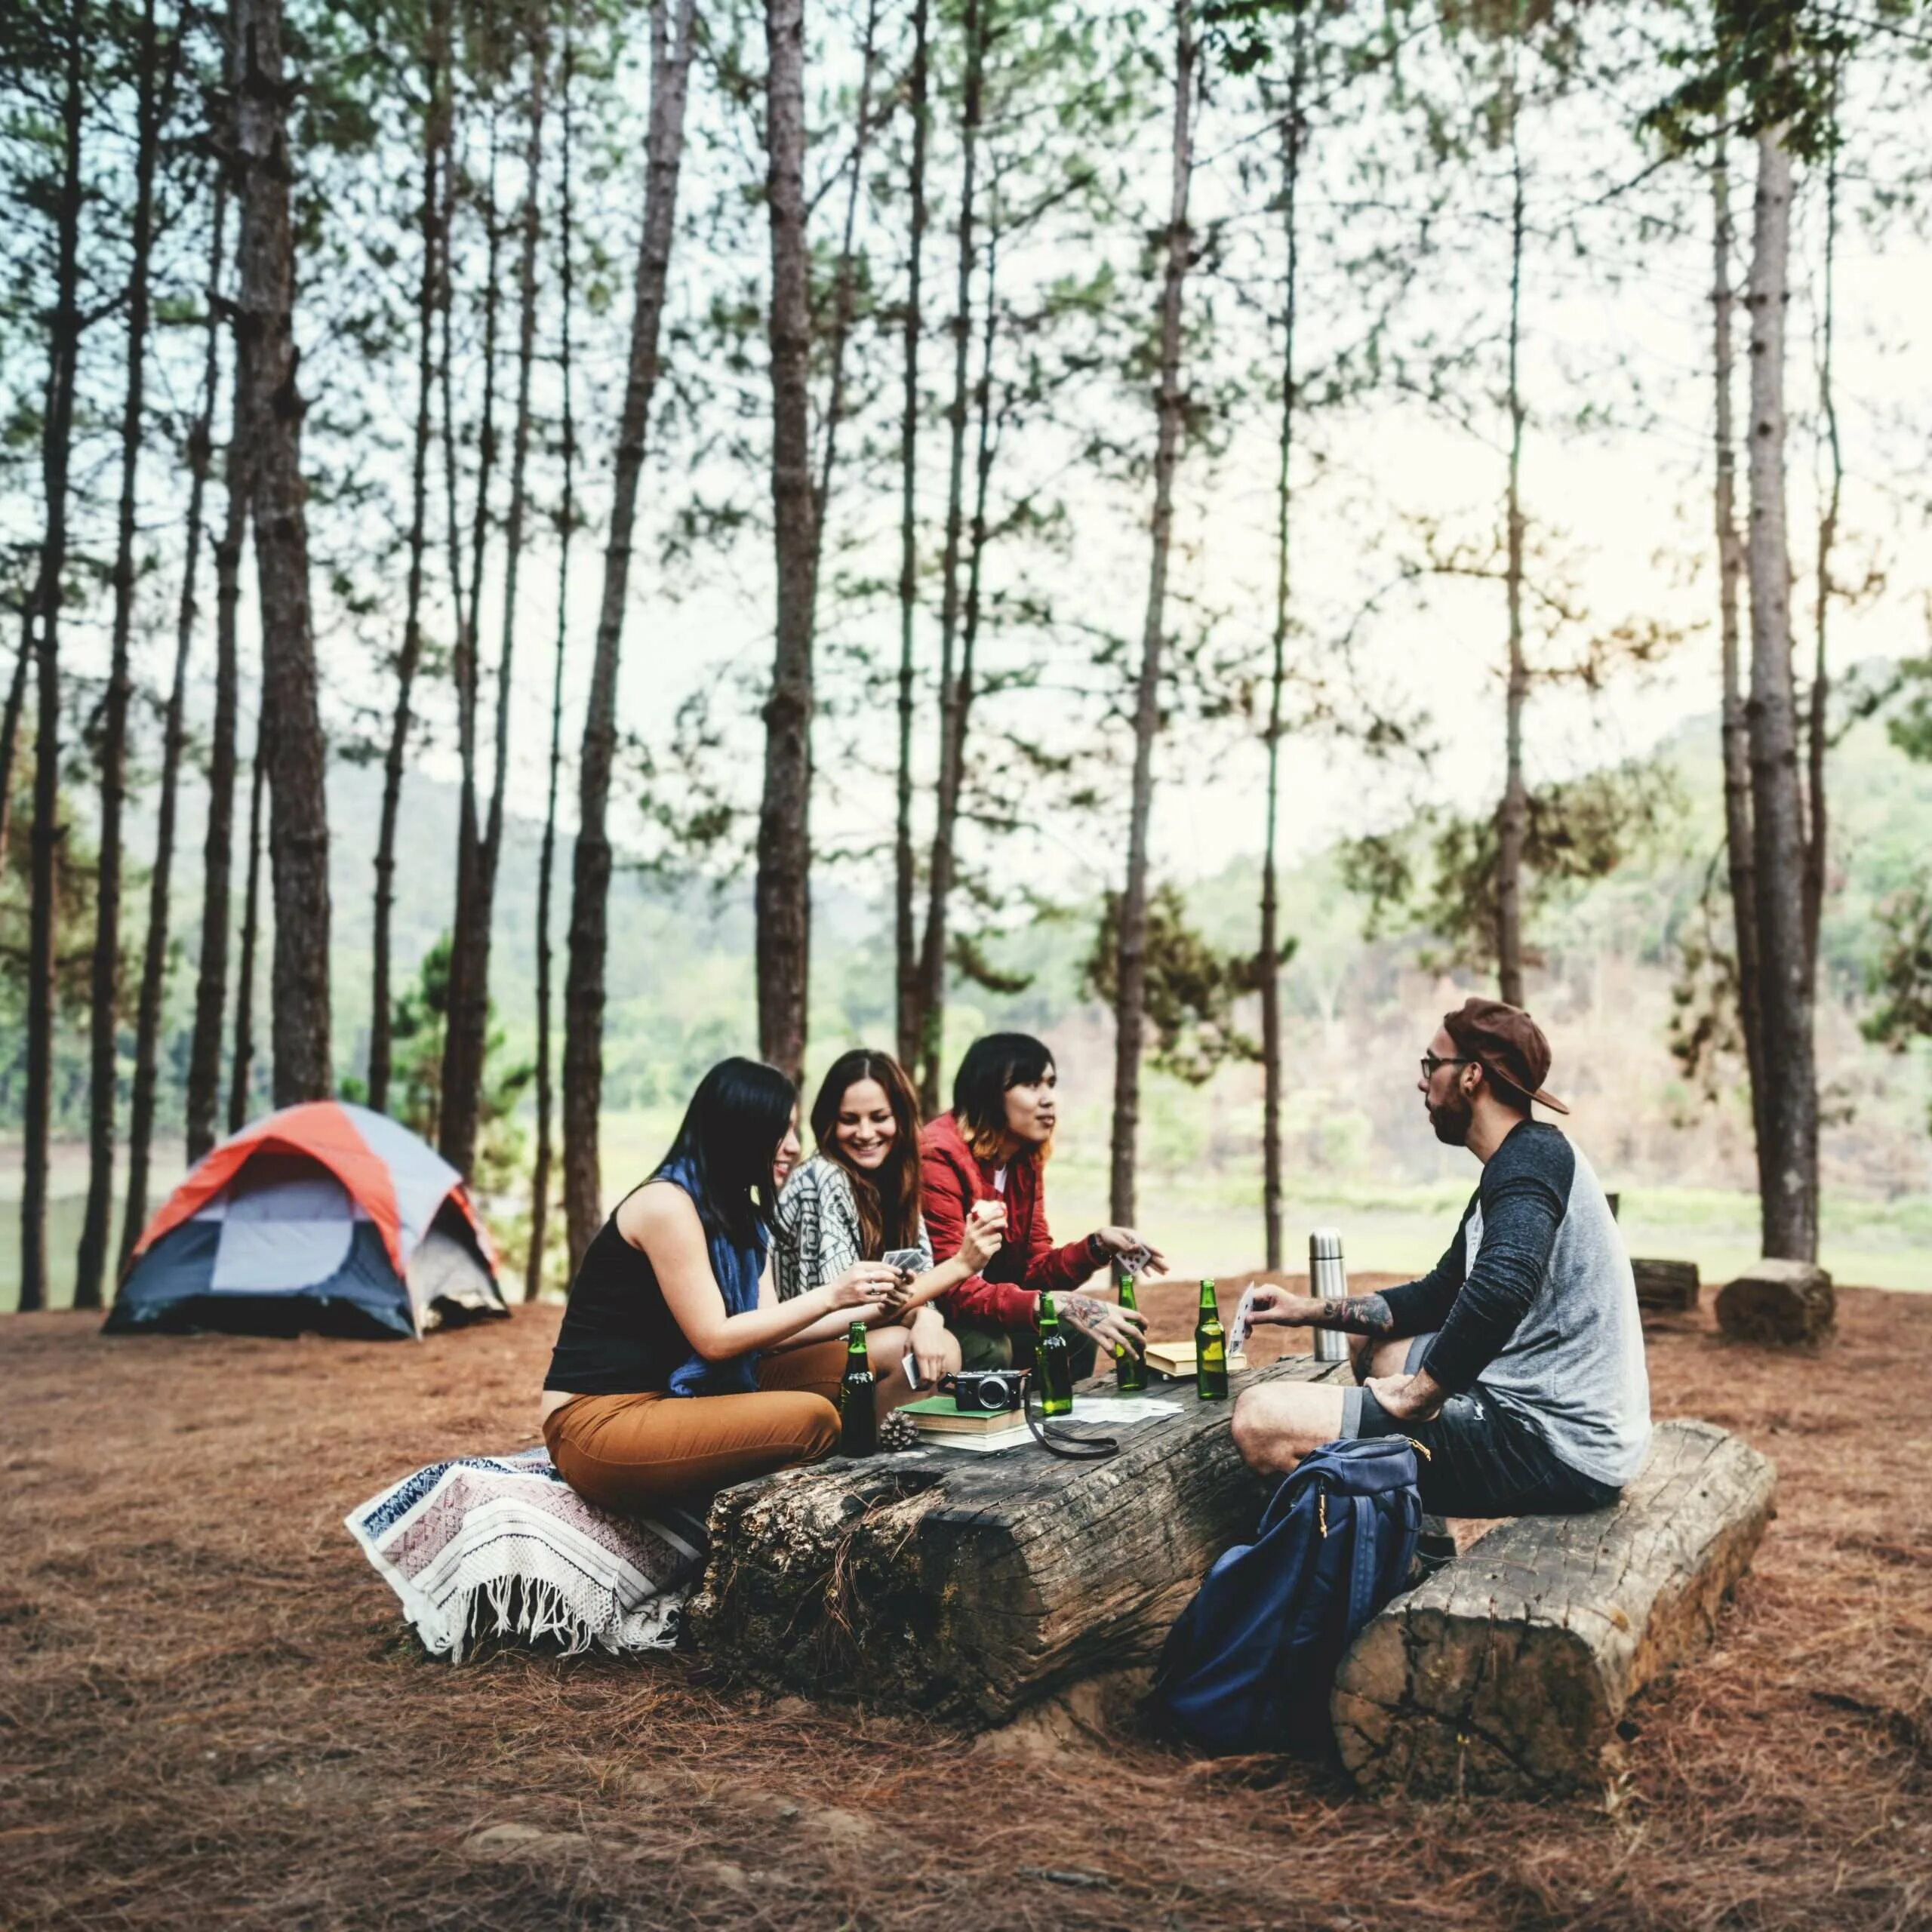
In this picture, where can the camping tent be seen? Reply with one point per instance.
(325, 1216)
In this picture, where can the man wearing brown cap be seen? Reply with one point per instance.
(1518, 1361)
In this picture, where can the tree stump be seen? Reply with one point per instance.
(965, 1587)
(1666, 1286)
(1508, 1672)
(1782, 1302)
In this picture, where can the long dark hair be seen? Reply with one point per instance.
(994, 1062)
(888, 1206)
(730, 1132)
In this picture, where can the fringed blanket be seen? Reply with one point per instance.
(501, 1544)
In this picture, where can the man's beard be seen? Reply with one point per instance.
(1451, 1120)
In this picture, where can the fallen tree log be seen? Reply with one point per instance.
(965, 1587)
(1779, 1302)
(1508, 1672)
(1665, 1286)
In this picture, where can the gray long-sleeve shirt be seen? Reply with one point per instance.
(1535, 1307)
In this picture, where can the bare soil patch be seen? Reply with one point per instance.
(211, 1715)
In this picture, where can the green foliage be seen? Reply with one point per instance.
(1901, 976)
(422, 1012)
(1190, 987)
(1438, 874)
(1765, 63)
(1910, 728)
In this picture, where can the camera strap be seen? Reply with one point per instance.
(1058, 1441)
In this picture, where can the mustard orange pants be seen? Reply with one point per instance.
(627, 1452)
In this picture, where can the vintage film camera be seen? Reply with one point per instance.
(988, 1391)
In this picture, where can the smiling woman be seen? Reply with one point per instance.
(857, 1200)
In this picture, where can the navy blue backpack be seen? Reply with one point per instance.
(1249, 1663)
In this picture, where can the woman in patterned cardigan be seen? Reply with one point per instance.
(857, 1199)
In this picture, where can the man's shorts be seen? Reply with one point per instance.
(1483, 1459)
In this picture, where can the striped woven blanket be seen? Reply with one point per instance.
(484, 1545)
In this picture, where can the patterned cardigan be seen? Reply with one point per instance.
(818, 1235)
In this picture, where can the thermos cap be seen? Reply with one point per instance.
(1325, 1244)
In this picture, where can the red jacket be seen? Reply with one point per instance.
(951, 1179)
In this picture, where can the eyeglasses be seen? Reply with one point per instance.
(1431, 1062)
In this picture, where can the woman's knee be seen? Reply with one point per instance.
(813, 1424)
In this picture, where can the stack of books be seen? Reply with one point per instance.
(1176, 1360)
(939, 1415)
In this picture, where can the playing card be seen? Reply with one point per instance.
(1244, 1320)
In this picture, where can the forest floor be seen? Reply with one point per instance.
(211, 1715)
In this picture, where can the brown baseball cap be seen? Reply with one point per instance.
(1508, 1042)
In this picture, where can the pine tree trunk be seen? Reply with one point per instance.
(590, 886)
(435, 140)
(10, 724)
(467, 1025)
(783, 887)
(1736, 750)
(1130, 970)
(266, 360)
(1512, 820)
(467, 1046)
(905, 978)
(241, 1089)
(104, 978)
(845, 294)
(939, 882)
(55, 449)
(1788, 1157)
(1817, 834)
(218, 843)
(539, 1177)
(1268, 966)
(154, 961)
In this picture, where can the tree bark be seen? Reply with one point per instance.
(1788, 1158)
(241, 1080)
(1268, 966)
(265, 358)
(55, 449)
(844, 294)
(104, 978)
(1817, 841)
(1508, 1672)
(939, 883)
(1736, 736)
(1512, 820)
(1130, 970)
(583, 990)
(218, 842)
(540, 1177)
(967, 1587)
(10, 723)
(783, 886)
(465, 1030)
(436, 141)
(154, 961)
(466, 1040)
(907, 1030)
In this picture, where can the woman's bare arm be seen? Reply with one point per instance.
(661, 1221)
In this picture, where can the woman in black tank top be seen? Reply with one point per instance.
(657, 1389)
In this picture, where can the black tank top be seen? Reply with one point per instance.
(619, 1336)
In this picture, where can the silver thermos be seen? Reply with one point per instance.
(1328, 1278)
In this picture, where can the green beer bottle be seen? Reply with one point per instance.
(1129, 1371)
(1053, 1362)
(858, 1409)
(1211, 1349)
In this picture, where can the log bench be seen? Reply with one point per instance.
(966, 1586)
(1508, 1672)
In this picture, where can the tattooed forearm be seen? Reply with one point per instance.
(1084, 1309)
(1360, 1314)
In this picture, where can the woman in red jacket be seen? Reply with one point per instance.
(993, 1146)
